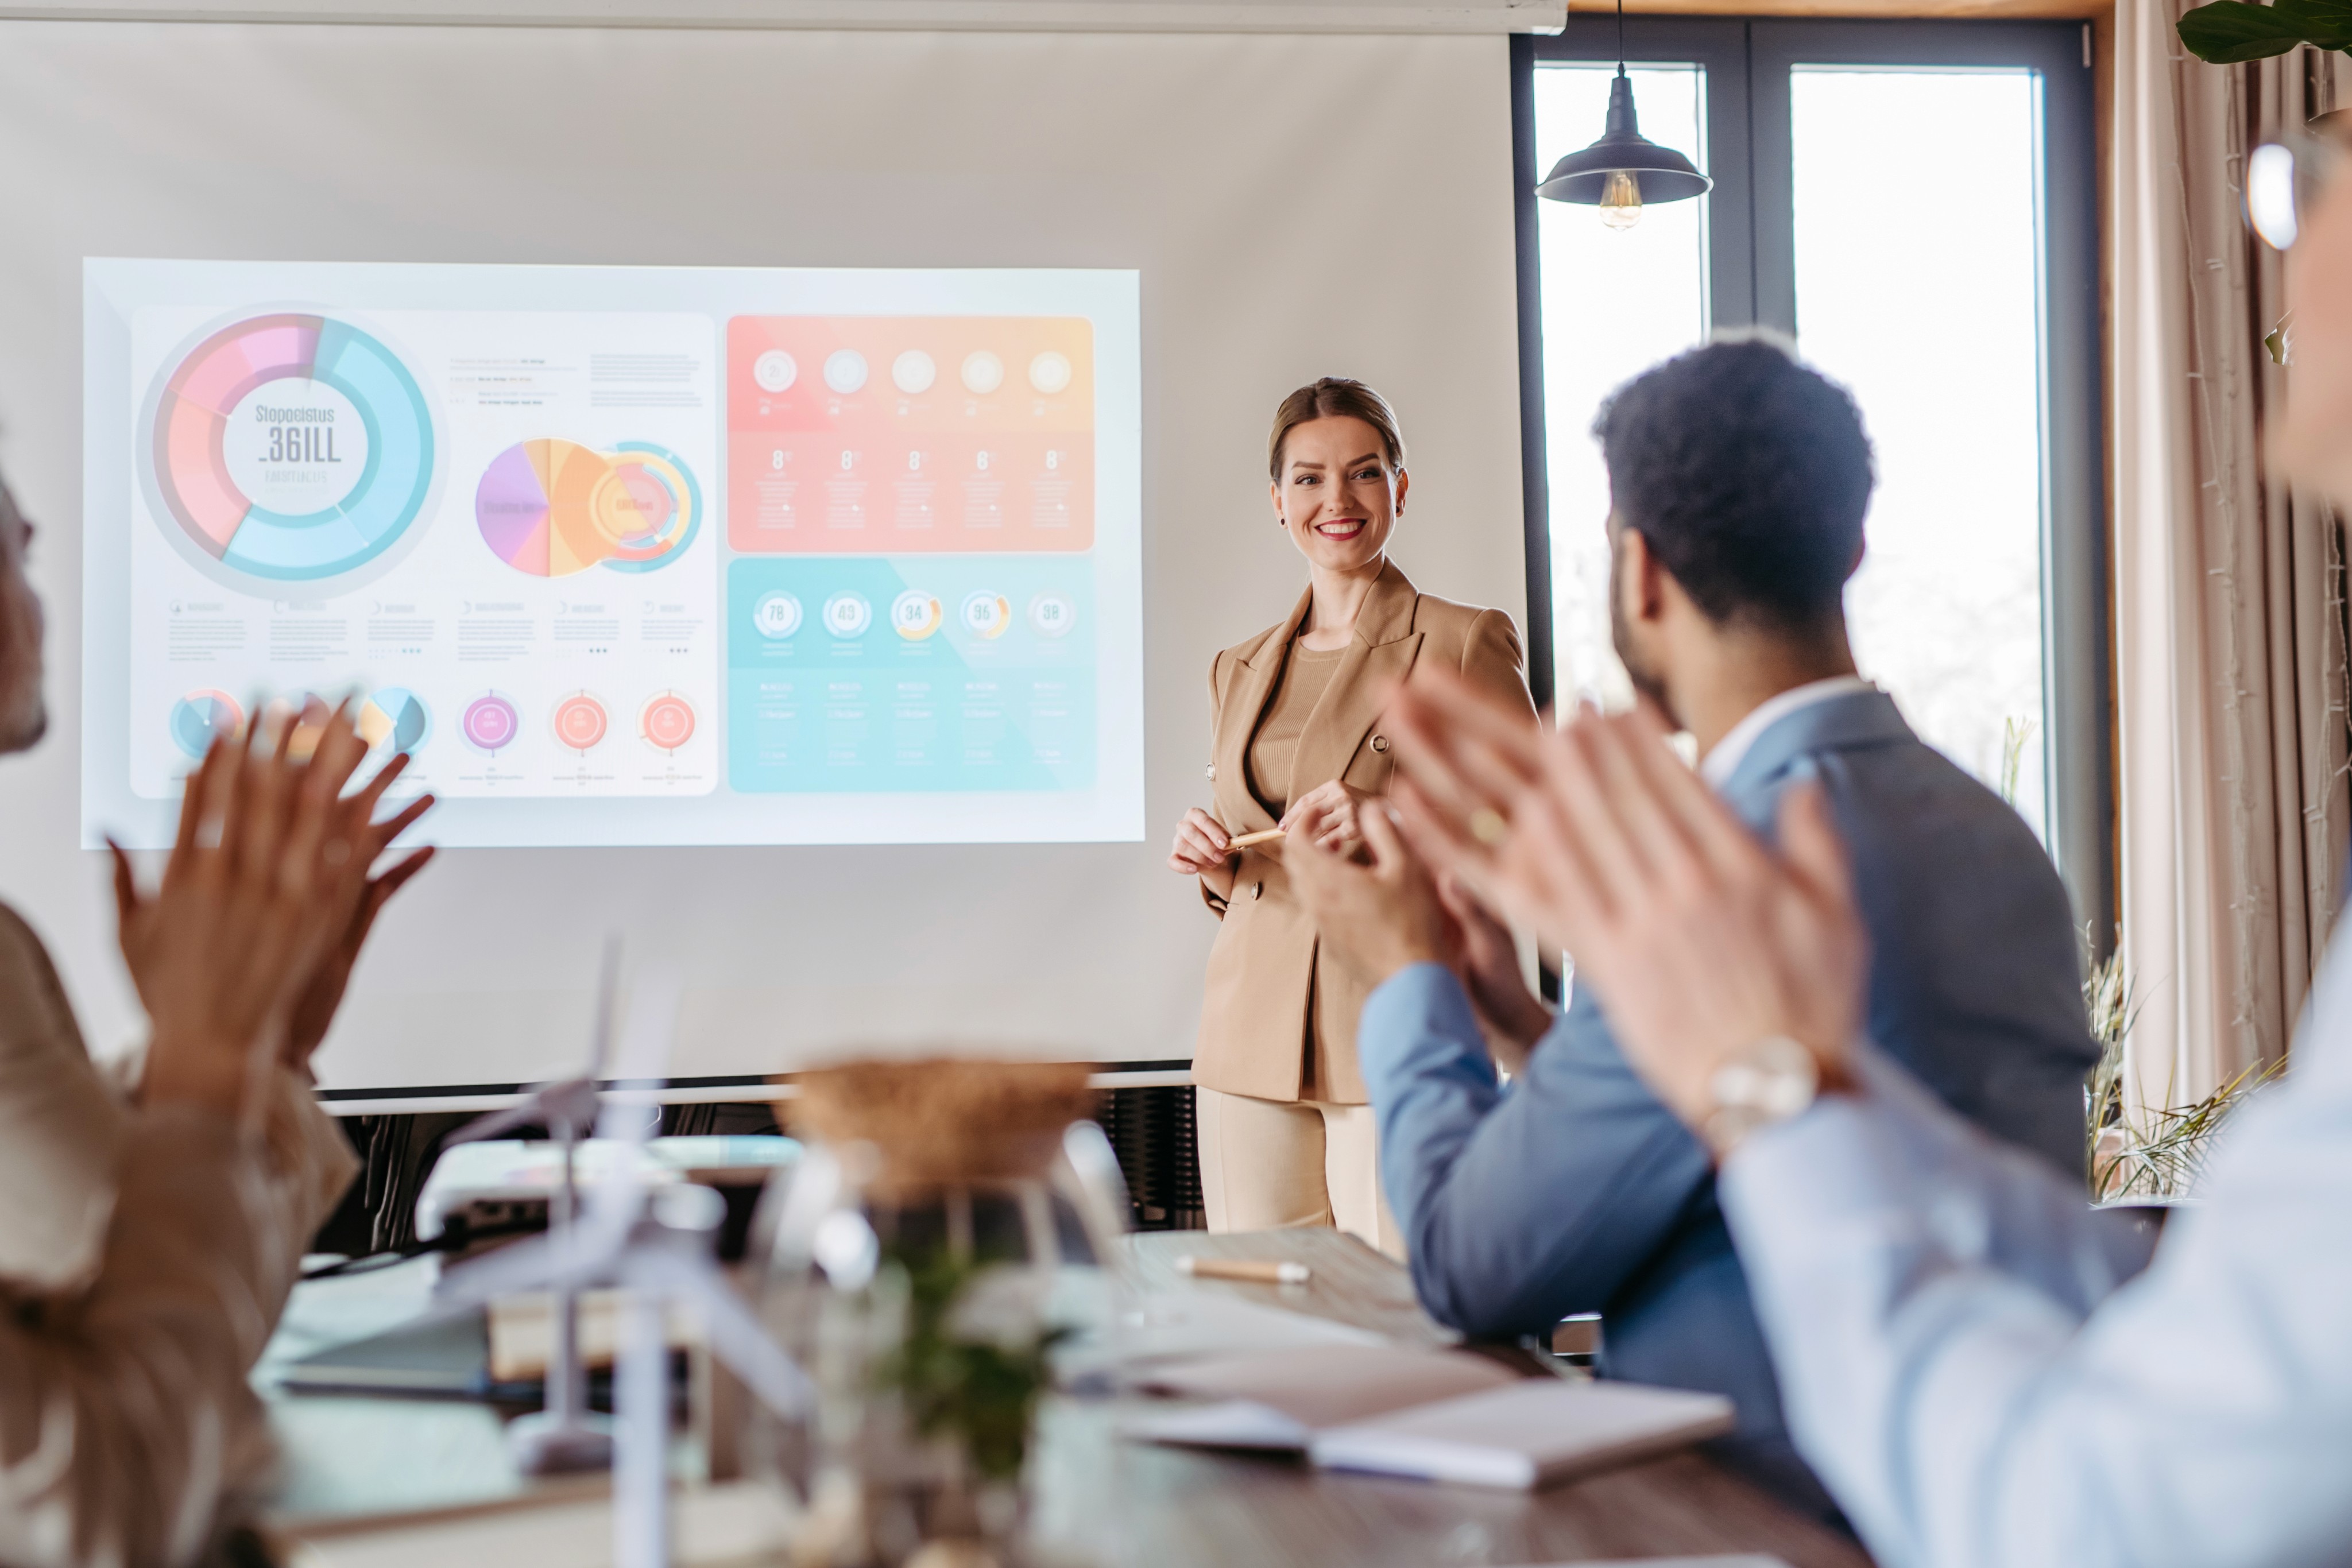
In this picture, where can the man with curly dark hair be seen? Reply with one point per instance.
(1738, 479)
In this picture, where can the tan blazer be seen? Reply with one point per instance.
(1264, 971)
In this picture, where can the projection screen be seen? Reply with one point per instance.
(1172, 230)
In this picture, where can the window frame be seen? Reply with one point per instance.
(1752, 278)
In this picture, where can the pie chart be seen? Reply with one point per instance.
(552, 508)
(201, 716)
(396, 717)
(287, 448)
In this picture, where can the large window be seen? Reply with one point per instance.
(1912, 202)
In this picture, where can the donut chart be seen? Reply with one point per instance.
(987, 613)
(666, 722)
(581, 722)
(492, 722)
(347, 426)
(552, 508)
(915, 614)
(200, 717)
(395, 717)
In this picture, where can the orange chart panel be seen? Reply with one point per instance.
(882, 435)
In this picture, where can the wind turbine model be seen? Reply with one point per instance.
(659, 1247)
(564, 1435)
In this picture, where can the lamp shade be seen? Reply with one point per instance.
(1664, 175)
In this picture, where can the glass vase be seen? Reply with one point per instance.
(945, 1236)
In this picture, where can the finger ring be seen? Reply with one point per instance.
(1489, 826)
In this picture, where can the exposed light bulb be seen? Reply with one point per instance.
(1620, 200)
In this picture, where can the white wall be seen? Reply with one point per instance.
(1297, 206)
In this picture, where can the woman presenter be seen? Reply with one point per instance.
(1285, 1135)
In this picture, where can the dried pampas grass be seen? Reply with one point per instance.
(946, 1121)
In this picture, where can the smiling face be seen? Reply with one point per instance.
(1338, 498)
(22, 714)
(2316, 441)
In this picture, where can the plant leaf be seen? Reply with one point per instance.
(2229, 31)
(2326, 23)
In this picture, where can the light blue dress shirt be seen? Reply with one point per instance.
(1961, 1363)
(1574, 1190)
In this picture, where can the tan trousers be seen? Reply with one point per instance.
(1268, 1163)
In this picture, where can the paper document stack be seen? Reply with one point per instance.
(1535, 1433)
(1432, 1415)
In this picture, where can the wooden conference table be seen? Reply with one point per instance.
(354, 1467)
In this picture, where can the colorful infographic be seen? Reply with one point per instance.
(554, 507)
(623, 555)
(981, 677)
(289, 448)
(475, 514)
(878, 435)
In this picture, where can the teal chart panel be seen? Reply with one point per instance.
(910, 673)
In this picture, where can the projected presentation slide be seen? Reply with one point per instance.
(624, 555)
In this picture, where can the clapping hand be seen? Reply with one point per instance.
(267, 883)
(1379, 915)
(314, 1009)
(1698, 939)
(1515, 1017)
(1383, 911)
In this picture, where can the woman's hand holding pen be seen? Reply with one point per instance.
(1204, 849)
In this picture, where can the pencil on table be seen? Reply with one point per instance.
(1255, 1270)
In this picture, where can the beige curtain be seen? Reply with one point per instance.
(2229, 617)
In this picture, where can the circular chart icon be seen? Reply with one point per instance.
(580, 721)
(492, 722)
(201, 718)
(305, 715)
(845, 371)
(288, 448)
(986, 614)
(1052, 615)
(983, 372)
(913, 371)
(1049, 372)
(777, 615)
(552, 508)
(846, 614)
(775, 371)
(666, 721)
(915, 614)
(657, 508)
(395, 717)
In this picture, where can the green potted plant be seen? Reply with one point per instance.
(2229, 32)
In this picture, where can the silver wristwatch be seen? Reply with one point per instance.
(1765, 1081)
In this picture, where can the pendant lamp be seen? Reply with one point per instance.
(1624, 169)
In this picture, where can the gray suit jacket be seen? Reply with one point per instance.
(1575, 1191)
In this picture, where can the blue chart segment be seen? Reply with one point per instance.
(395, 718)
(290, 447)
(200, 717)
(910, 673)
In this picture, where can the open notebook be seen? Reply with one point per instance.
(1436, 1415)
